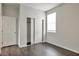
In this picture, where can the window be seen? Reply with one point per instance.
(51, 22)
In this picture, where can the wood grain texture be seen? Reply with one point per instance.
(41, 49)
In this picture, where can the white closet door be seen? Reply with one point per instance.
(38, 31)
(9, 31)
(33, 31)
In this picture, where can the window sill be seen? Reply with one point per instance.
(51, 31)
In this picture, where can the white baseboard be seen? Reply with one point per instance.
(20, 46)
(65, 47)
(0, 50)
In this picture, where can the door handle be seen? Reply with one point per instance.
(14, 32)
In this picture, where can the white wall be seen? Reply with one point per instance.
(67, 35)
(0, 26)
(33, 13)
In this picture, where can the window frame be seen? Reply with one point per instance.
(52, 31)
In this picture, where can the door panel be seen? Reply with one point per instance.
(38, 31)
(9, 31)
(33, 31)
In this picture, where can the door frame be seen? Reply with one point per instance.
(42, 30)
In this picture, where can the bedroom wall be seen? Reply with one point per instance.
(67, 27)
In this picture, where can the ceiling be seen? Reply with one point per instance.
(42, 6)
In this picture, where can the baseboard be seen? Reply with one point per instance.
(20, 46)
(9, 45)
(64, 47)
(0, 51)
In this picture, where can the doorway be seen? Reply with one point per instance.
(30, 31)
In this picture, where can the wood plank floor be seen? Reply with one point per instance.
(41, 49)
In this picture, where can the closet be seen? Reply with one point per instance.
(9, 24)
(30, 22)
(35, 30)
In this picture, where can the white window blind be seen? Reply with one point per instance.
(51, 22)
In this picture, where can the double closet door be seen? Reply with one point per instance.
(9, 31)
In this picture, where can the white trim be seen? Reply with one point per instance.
(20, 46)
(64, 47)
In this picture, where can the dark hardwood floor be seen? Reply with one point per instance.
(41, 49)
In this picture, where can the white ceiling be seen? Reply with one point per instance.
(42, 6)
